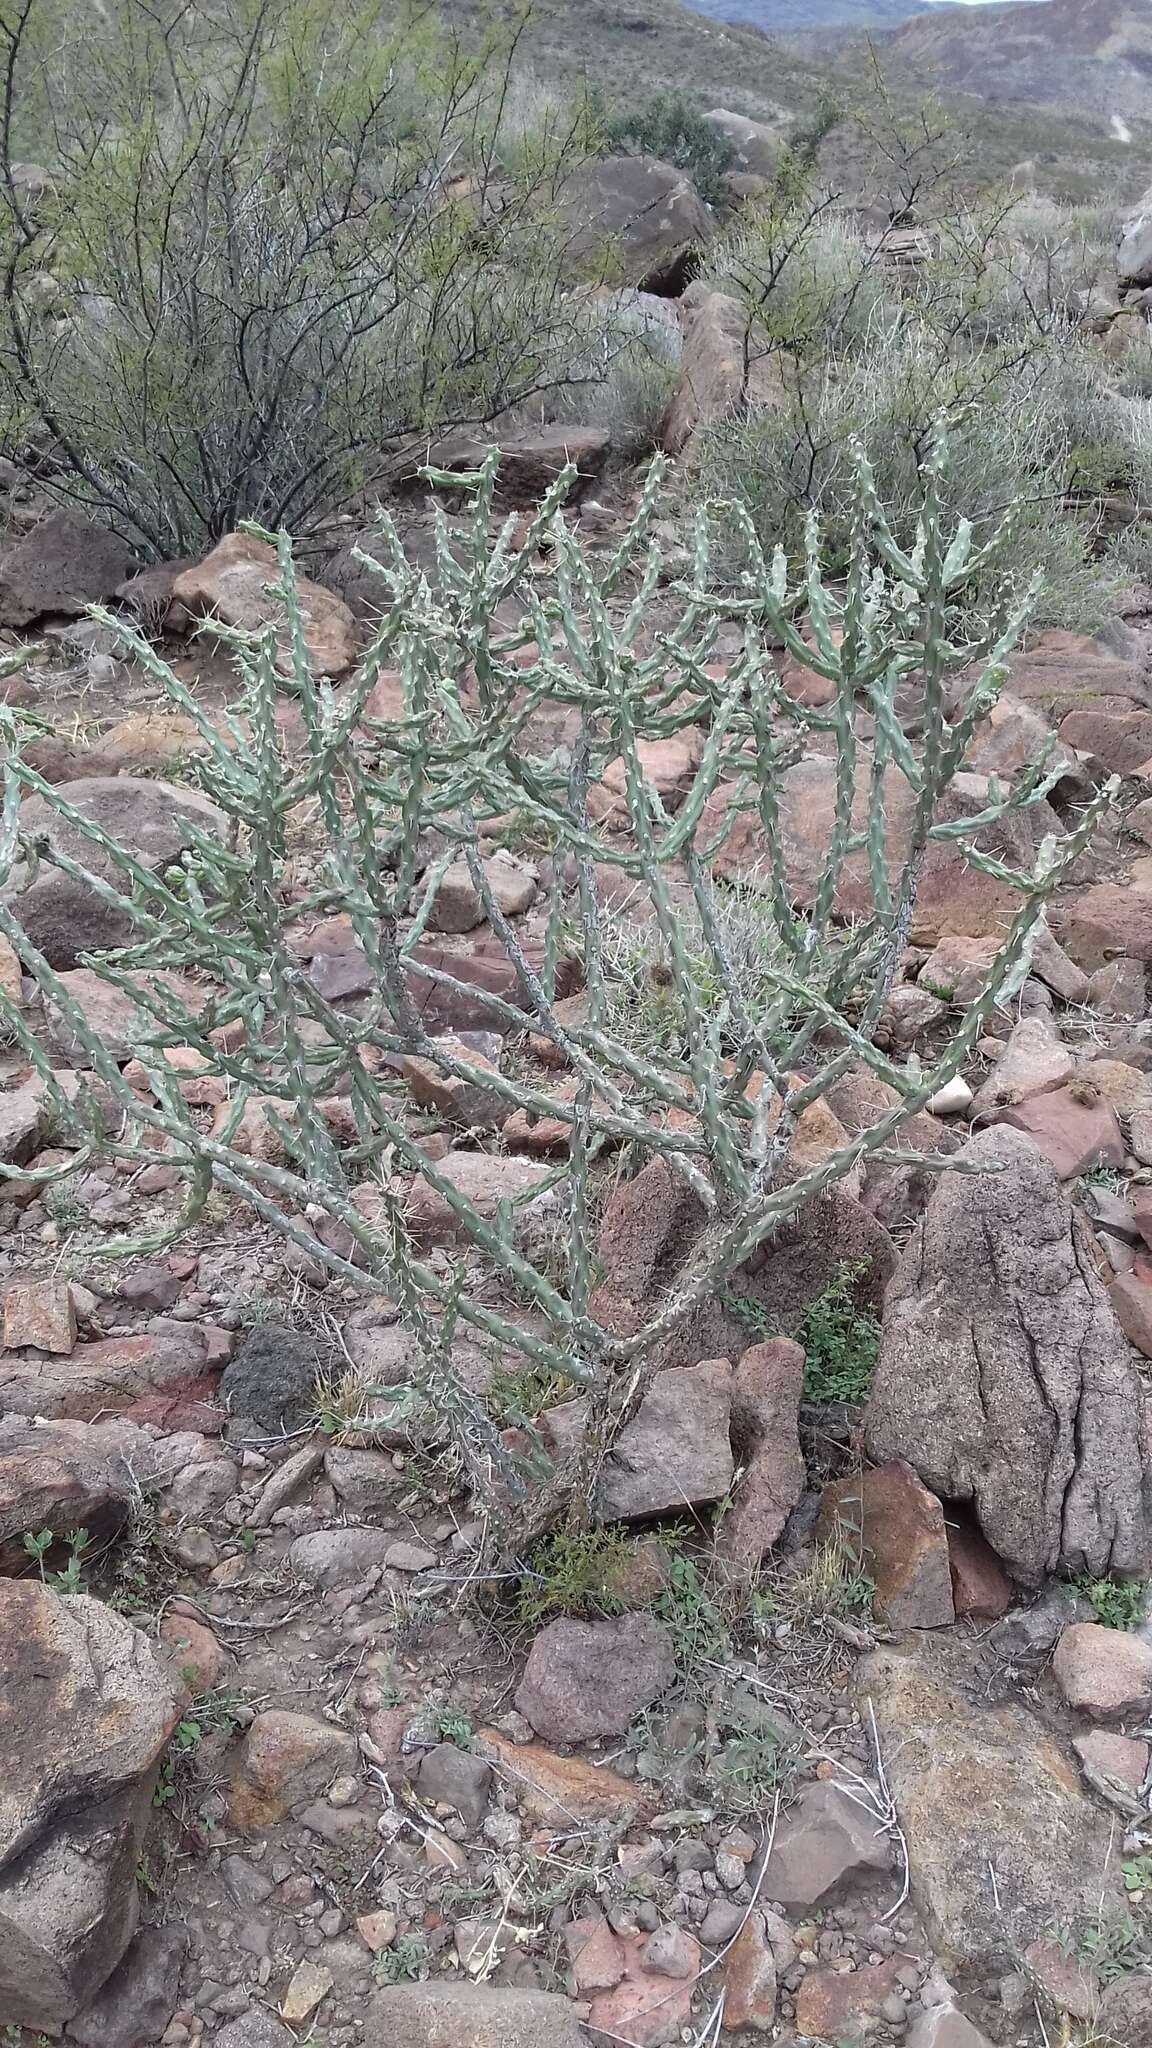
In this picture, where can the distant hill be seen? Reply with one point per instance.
(795, 17)
(1086, 54)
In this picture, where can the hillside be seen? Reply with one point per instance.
(793, 17)
(1091, 54)
(628, 49)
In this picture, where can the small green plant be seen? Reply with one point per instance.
(70, 1579)
(668, 127)
(453, 1726)
(571, 1572)
(405, 1962)
(1109, 1947)
(1137, 1875)
(695, 1620)
(1117, 1603)
(1104, 1177)
(840, 1342)
(519, 1397)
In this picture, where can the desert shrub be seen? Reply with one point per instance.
(715, 1099)
(272, 253)
(622, 373)
(668, 127)
(811, 283)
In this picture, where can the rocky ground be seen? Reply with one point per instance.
(841, 1731)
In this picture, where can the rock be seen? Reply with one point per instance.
(1004, 1379)
(111, 1013)
(255, 2029)
(65, 564)
(953, 896)
(337, 1557)
(713, 366)
(1117, 990)
(271, 1382)
(595, 1955)
(1012, 737)
(978, 1787)
(23, 1116)
(674, 1453)
(448, 1776)
(285, 1760)
(86, 1710)
(644, 216)
(1104, 1672)
(377, 1930)
(111, 1375)
(945, 2027)
(766, 1391)
(1124, 1087)
(194, 1653)
(749, 1975)
(445, 2015)
(139, 1997)
(589, 1679)
(844, 2005)
(40, 1312)
(560, 1789)
(530, 460)
(309, 1984)
(648, 2008)
(58, 1477)
(1034, 1061)
(1074, 1128)
(468, 1103)
(1115, 1766)
(232, 584)
(651, 1226)
(981, 1588)
(151, 742)
(668, 766)
(955, 1098)
(1124, 2015)
(1106, 920)
(756, 148)
(897, 1527)
(827, 1841)
(956, 970)
(367, 1483)
(484, 1179)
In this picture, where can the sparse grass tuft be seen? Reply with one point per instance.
(832, 1585)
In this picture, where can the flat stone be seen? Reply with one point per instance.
(897, 1528)
(844, 2005)
(42, 1313)
(445, 2015)
(468, 1103)
(945, 2027)
(675, 1452)
(767, 1388)
(1131, 1296)
(65, 564)
(648, 2008)
(978, 1786)
(1035, 1061)
(750, 1974)
(484, 1180)
(1115, 1766)
(338, 1557)
(1106, 920)
(23, 1119)
(595, 1956)
(308, 1985)
(1105, 1672)
(827, 1842)
(558, 1789)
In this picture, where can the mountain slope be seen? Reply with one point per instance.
(1087, 54)
(795, 17)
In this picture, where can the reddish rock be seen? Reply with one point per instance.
(827, 1841)
(1117, 990)
(107, 1377)
(1124, 2014)
(285, 1760)
(1104, 1672)
(1034, 1062)
(65, 564)
(1064, 1985)
(469, 1103)
(981, 1588)
(1073, 1127)
(1114, 1763)
(1108, 920)
(1120, 741)
(844, 2005)
(647, 2009)
(232, 584)
(713, 365)
(1131, 1297)
(560, 1789)
(750, 1973)
(898, 1528)
(765, 1408)
(674, 1453)
(957, 969)
(194, 1652)
(588, 1679)
(41, 1313)
(668, 765)
(595, 1955)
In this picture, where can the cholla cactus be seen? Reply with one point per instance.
(454, 760)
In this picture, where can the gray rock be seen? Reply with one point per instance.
(756, 149)
(256, 2029)
(455, 1777)
(23, 1118)
(243, 1882)
(944, 2027)
(978, 1789)
(153, 820)
(675, 1452)
(64, 565)
(587, 1679)
(86, 1710)
(367, 1483)
(829, 1840)
(58, 1476)
(272, 1379)
(645, 215)
(337, 1557)
(1124, 2017)
(139, 1997)
(1004, 1377)
(1134, 253)
(466, 2016)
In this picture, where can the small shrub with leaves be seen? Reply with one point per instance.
(840, 1342)
(1117, 1603)
(668, 127)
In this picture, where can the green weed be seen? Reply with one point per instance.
(1137, 1874)
(405, 1962)
(77, 1541)
(699, 1628)
(840, 1342)
(1117, 1603)
(571, 1572)
(453, 1726)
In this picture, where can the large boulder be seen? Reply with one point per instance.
(1134, 253)
(64, 565)
(86, 1710)
(982, 1790)
(235, 584)
(153, 820)
(713, 366)
(638, 219)
(756, 149)
(953, 895)
(1004, 1377)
